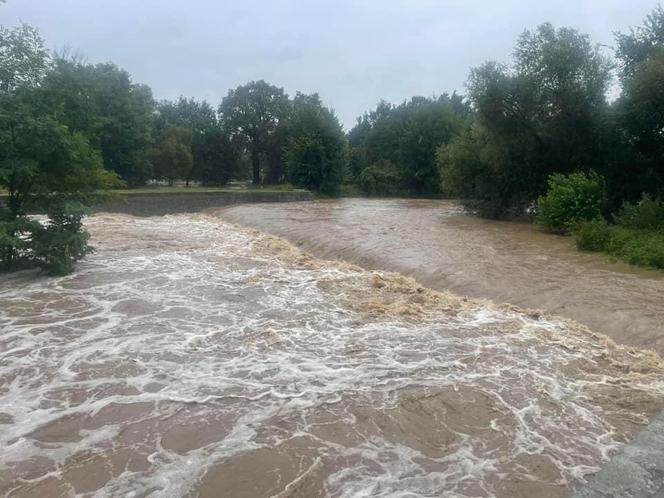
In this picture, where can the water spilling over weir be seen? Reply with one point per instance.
(445, 249)
(192, 357)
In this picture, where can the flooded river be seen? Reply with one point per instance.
(192, 357)
(442, 248)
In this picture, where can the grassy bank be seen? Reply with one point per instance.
(637, 246)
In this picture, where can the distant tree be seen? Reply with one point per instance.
(381, 178)
(214, 156)
(641, 43)
(253, 112)
(547, 113)
(468, 173)
(640, 109)
(406, 138)
(43, 164)
(103, 104)
(171, 154)
(431, 122)
(23, 58)
(315, 151)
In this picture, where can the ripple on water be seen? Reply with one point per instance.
(214, 359)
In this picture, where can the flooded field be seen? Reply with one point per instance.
(442, 248)
(192, 357)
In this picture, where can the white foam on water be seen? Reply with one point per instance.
(196, 324)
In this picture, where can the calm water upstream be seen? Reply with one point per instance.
(442, 248)
(193, 357)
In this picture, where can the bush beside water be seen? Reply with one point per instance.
(637, 236)
(570, 200)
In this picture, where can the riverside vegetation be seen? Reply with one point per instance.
(537, 135)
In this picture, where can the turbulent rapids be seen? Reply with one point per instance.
(192, 357)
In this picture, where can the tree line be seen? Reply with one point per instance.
(69, 130)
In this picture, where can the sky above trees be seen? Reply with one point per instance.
(353, 53)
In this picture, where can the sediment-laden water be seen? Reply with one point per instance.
(443, 248)
(192, 357)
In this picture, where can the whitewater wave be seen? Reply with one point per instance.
(191, 357)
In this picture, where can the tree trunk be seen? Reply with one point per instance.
(256, 167)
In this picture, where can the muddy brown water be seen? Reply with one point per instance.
(192, 357)
(443, 248)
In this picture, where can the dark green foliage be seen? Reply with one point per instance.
(16, 240)
(636, 247)
(112, 113)
(544, 114)
(592, 235)
(641, 43)
(637, 237)
(469, 171)
(406, 137)
(639, 113)
(59, 244)
(641, 117)
(171, 155)
(251, 113)
(570, 200)
(379, 179)
(647, 214)
(214, 156)
(315, 150)
(44, 164)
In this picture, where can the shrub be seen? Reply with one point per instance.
(58, 245)
(637, 247)
(15, 240)
(55, 246)
(380, 178)
(570, 200)
(648, 213)
(592, 235)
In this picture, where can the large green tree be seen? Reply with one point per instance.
(545, 113)
(171, 154)
(214, 155)
(113, 113)
(393, 148)
(640, 109)
(43, 163)
(315, 151)
(252, 112)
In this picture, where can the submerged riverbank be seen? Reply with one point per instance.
(445, 249)
(189, 356)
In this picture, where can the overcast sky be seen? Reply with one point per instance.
(352, 52)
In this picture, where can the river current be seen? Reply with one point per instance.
(189, 356)
(443, 248)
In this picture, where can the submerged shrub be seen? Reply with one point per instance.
(58, 245)
(641, 247)
(54, 246)
(16, 236)
(592, 235)
(648, 213)
(570, 200)
(637, 247)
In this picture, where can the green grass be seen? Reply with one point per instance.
(640, 247)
